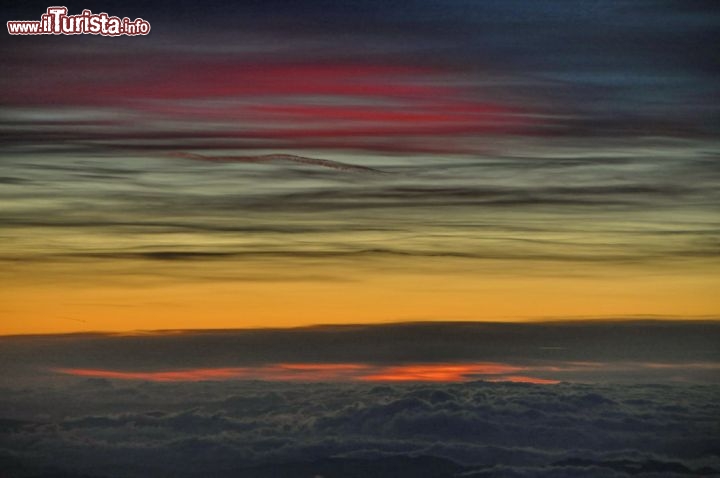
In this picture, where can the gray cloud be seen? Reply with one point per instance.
(289, 158)
(558, 205)
(273, 429)
(593, 350)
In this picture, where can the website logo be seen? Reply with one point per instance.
(56, 21)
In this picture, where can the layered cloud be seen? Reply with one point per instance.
(431, 77)
(106, 428)
(595, 351)
(446, 158)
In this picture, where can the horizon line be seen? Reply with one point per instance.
(573, 320)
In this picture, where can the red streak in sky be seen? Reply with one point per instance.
(438, 373)
(524, 379)
(193, 375)
(257, 105)
(306, 372)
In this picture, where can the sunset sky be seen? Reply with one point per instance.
(362, 238)
(272, 164)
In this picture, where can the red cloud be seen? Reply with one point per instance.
(308, 372)
(284, 105)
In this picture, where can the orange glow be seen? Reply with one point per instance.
(50, 300)
(301, 372)
(194, 375)
(275, 372)
(437, 373)
(322, 366)
(524, 379)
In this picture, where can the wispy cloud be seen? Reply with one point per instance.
(290, 158)
(251, 138)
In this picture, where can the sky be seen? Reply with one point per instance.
(410, 238)
(273, 164)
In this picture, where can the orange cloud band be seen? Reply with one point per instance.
(355, 372)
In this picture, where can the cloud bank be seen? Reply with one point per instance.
(638, 351)
(106, 428)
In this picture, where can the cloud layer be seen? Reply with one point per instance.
(597, 351)
(104, 428)
(429, 145)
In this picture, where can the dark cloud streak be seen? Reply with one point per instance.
(613, 346)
